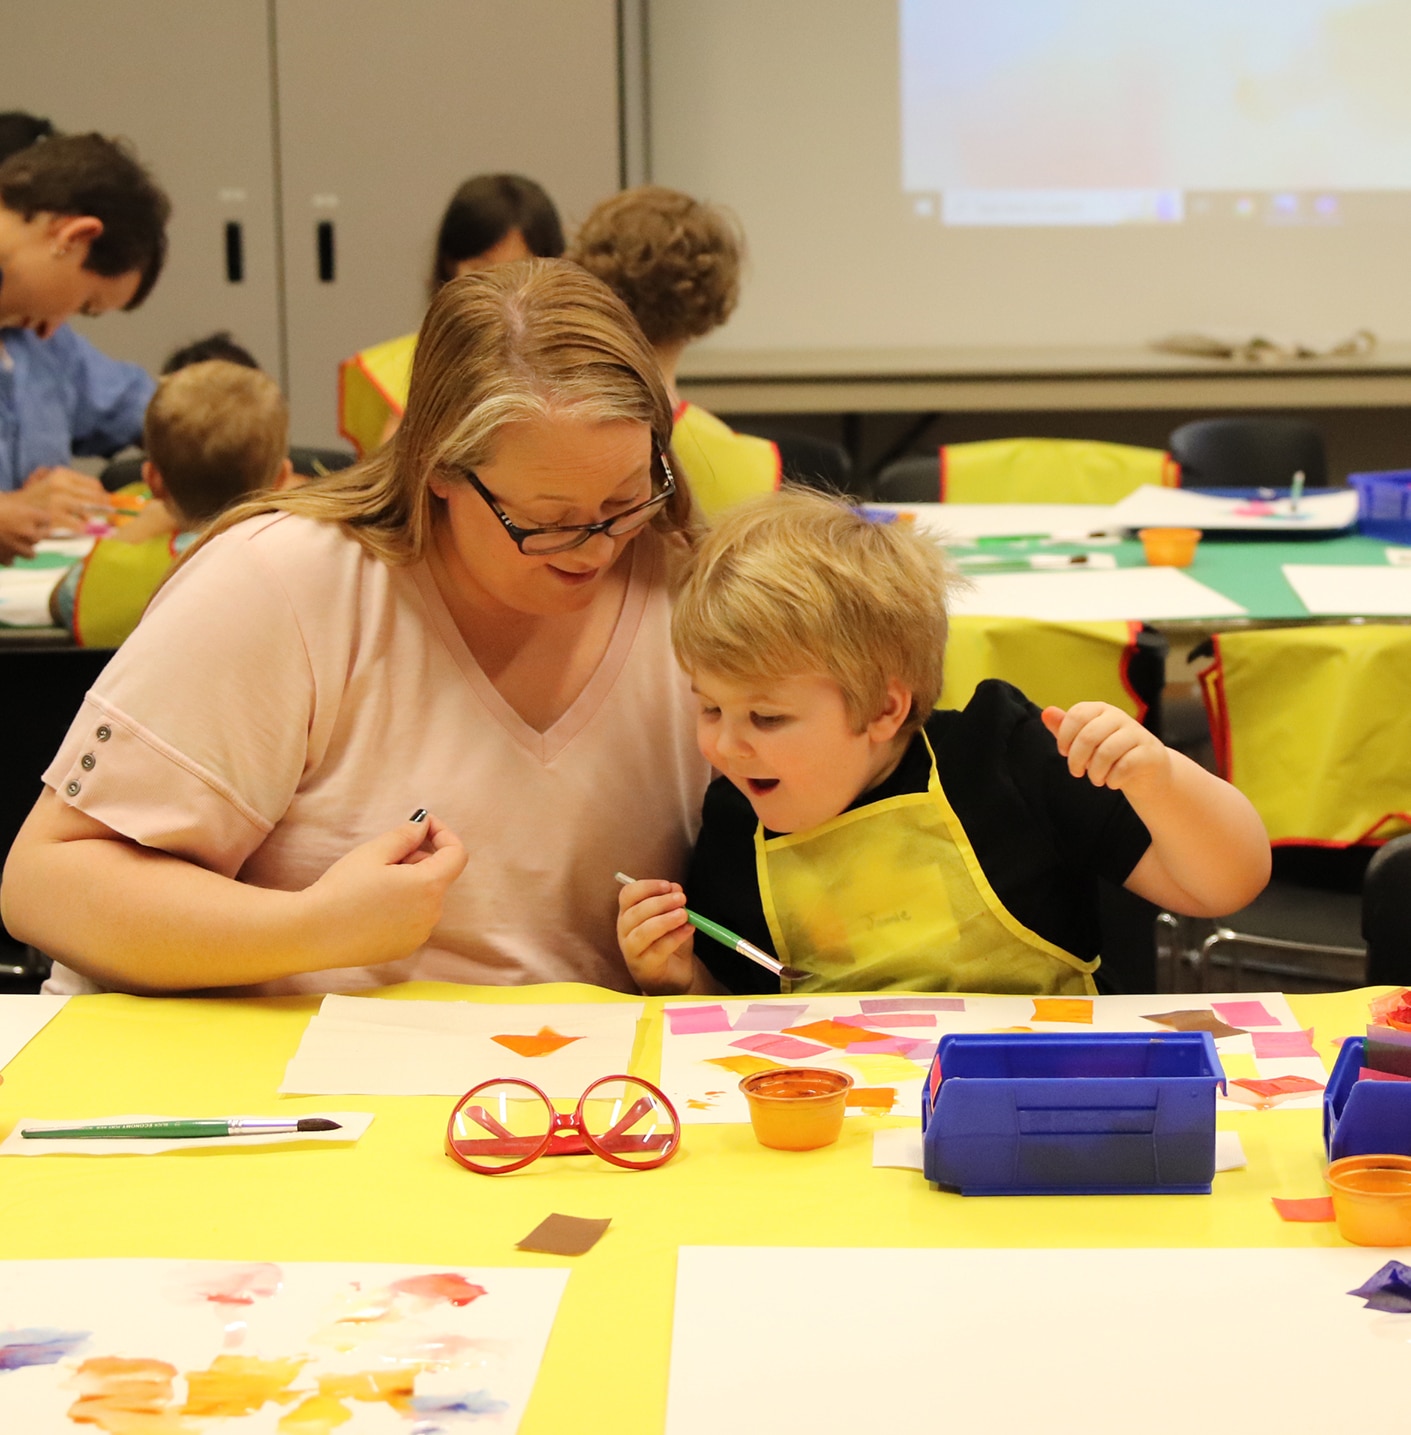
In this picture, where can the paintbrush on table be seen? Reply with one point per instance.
(727, 938)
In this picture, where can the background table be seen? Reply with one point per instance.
(395, 1196)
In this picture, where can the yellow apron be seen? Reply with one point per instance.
(1050, 470)
(891, 895)
(722, 467)
(372, 387)
(115, 586)
(1310, 723)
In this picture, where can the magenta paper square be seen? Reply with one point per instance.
(770, 1016)
(691, 1020)
(786, 1048)
(876, 1004)
(871, 1020)
(1283, 1043)
(1244, 1013)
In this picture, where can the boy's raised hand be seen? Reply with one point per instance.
(1110, 747)
(657, 941)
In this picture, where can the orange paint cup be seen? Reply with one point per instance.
(797, 1108)
(1372, 1199)
(1169, 547)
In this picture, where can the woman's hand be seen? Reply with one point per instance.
(657, 941)
(383, 900)
(1110, 747)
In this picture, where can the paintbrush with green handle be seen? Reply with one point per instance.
(727, 938)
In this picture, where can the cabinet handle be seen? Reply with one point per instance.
(323, 232)
(234, 253)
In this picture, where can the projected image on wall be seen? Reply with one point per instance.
(1106, 112)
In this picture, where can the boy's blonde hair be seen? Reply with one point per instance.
(215, 431)
(797, 583)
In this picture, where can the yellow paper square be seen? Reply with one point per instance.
(885, 1070)
(1239, 1068)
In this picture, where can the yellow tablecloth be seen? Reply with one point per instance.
(396, 1197)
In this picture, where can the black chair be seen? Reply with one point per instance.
(814, 462)
(910, 480)
(46, 686)
(1249, 453)
(1386, 914)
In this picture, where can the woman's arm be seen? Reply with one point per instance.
(1209, 852)
(141, 920)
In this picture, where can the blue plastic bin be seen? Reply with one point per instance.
(1101, 1113)
(1364, 1118)
(1384, 504)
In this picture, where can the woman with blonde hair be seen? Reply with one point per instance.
(473, 623)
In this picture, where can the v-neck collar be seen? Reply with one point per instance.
(645, 560)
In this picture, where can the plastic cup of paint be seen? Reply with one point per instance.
(1169, 547)
(1372, 1199)
(797, 1108)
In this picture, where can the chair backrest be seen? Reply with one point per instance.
(1386, 914)
(1026, 470)
(45, 687)
(1313, 725)
(814, 462)
(1249, 452)
(910, 480)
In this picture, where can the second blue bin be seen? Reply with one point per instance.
(1101, 1113)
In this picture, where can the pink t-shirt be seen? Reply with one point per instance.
(288, 696)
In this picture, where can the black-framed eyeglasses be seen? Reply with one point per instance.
(574, 535)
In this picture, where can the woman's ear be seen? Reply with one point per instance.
(895, 711)
(440, 484)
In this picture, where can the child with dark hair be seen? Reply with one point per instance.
(82, 229)
(491, 219)
(219, 345)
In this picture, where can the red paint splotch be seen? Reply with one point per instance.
(445, 1285)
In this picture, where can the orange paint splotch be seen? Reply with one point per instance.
(127, 1397)
(744, 1065)
(545, 1041)
(240, 1384)
(693, 1105)
(873, 1098)
(1069, 1009)
(440, 1286)
(316, 1416)
(393, 1387)
(835, 1034)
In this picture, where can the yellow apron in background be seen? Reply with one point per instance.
(1050, 470)
(1313, 725)
(891, 895)
(373, 387)
(1052, 664)
(115, 586)
(722, 467)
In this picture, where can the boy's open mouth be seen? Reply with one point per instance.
(760, 785)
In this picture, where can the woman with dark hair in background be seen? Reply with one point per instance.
(82, 230)
(491, 219)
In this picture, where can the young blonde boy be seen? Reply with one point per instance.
(214, 431)
(873, 842)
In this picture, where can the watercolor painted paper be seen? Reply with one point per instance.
(22, 1018)
(1244, 1013)
(374, 1047)
(351, 1126)
(181, 1348)
(685, 1020)
(900, 1318)
(1282, 1043)
(769, 1016)
(694, 1067)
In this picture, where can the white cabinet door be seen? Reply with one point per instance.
(383, 110)
(189, 85)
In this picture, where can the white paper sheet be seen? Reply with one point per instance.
(963, 522)
(24, 596)
(22, 1018)
(1338, 589)
(1319, 511)
(351, 1124)
(1093, 595)
(836, 1341)
(190, 1325)
(371, 1047)
(701, 1070)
